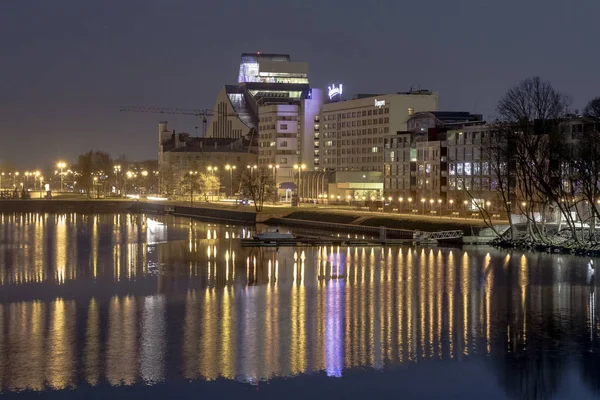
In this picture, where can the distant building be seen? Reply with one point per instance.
(262, 79)
(179, 153)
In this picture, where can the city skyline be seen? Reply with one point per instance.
(72, 66)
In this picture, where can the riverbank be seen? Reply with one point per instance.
(530, 245)
(351, 221)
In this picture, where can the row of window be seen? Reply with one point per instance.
(468, 168)
(352, 142)
(364, 122)
(466, 153)
(471, 184)
(356, 132)
(356, 114)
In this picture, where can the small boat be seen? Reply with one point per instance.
(274, 235)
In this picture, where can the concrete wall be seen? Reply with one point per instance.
(107, 206)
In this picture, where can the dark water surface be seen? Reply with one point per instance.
(97, 306)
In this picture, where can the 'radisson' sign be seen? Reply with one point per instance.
(379, 103)
(335, 91)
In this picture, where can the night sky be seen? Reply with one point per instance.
(66, 66)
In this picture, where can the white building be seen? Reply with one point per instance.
(351, 133)
(286, 136)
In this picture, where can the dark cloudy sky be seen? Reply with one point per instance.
(66, 66)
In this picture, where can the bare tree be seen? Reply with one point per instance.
(592, 109)
(257, 185)
(530, 114)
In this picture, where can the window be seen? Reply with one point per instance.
(459, 168)
(283, 127)
(485, 168)
(283, 161)
(411, 111)
(467, 168)
(283, 143)
(476, 169)
(373, 149)
(386, 110)
(428, 168)
(272, 144)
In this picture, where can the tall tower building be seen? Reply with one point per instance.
(263, 79)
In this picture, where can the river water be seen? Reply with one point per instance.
(93, 306)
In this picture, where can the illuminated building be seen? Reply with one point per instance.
(349, 141)
(262, 79)
(179, 153)
(286, 135)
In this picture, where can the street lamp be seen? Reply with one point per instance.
(440, 204)
(230, 168)
(423, 203)
(96, 187)
(299, 167)
(465, 203)
(451, 202)
(1, 176)
(61, 165)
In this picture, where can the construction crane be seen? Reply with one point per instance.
(181, 111)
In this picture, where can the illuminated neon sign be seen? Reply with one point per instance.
(335, 91)
(379, 103)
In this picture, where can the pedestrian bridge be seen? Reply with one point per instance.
(423, 236)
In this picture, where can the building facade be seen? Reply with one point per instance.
(351, 133)
(286, 133)
(179, 153)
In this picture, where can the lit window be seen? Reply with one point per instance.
(459, 168)
(411, 111)
(373, 149)
(467, 168)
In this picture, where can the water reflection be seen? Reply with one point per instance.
(197, 305)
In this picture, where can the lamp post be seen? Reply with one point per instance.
(15, 179)
(440, 204)
(400, 201)
(1, 176)
(423, 203)
(61, 165)
(117, 169)
(451, 205)
(230, 168)
(274, 168)
(41, 182)
(465, 203)
(96, 187)
(299, 167)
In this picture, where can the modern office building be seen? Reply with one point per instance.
(351, 133)
(179, 153)
(262, 79)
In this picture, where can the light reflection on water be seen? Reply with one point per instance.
(124, 300)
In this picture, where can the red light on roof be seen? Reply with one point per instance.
(258, 52)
